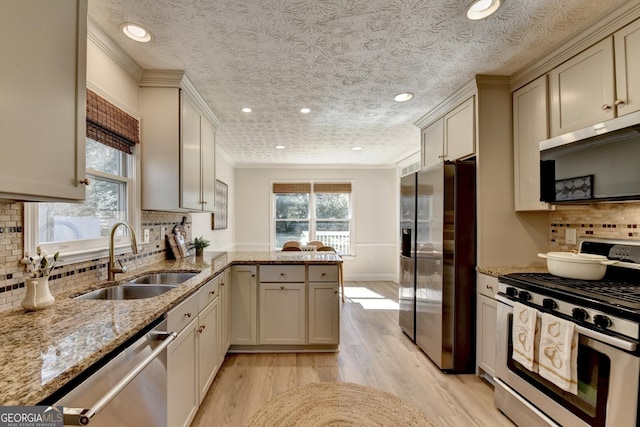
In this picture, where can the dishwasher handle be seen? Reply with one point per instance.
(83, 416)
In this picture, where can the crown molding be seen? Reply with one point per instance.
(111, 48)
(448, 104)
(603, 28)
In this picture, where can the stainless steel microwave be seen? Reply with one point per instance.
(594, 164)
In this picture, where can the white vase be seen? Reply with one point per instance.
(38, 295)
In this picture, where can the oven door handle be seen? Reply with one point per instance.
(590, 333)
(83, 416)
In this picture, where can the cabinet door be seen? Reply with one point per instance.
(190, 197)
(208, 152)
(582, 89)
(244, 306)
(432, 144)
(627, 53)
(43, 92)
(530, 126)
(282, 313)
(486, 331)
(324, 313)
(182, 387)
(459, 131)
(208, 352)
(225, 314)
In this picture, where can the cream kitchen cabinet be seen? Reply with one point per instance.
(178, 144)
(43, 135)
(225, 313)
(324, 305)
(452, 137)
(486, 312)
(209, 360)
(244, 307)
(598, 84)
(530, 126)
(282, 304)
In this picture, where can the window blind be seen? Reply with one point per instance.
(292, 187)
(332, 188)
(111, 126)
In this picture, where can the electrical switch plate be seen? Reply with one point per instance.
(570, 236)
(146, 235)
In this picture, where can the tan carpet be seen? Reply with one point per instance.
(337, 404)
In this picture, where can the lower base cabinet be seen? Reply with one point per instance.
(486, 324)
(208, 347)
(324, 313)
(282, 313)
(182, 379)
(244, 305)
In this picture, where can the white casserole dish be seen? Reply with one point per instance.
(574, 265)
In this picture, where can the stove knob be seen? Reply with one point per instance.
(549, 304)
(524, 296)
(512, 292)
(579, 314)
(601, 321)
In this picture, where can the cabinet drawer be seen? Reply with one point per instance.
(487, 285)
(282, 273)
(208, 293)
(180, 316)
(323, 273)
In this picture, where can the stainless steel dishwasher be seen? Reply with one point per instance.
(129, 390)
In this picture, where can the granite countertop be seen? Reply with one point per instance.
(41, 351)
(496, 271)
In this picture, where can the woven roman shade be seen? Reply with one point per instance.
(292, 187)
(111, 126)
(332, 188)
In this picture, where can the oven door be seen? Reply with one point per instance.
(607, 381)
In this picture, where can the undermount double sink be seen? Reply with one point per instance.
(147, 286)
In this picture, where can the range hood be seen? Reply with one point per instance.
(594, 164)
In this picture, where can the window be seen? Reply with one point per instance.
(84, 228)
(318, 211)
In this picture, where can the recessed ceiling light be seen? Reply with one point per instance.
(136, 32)
(246, 110)
(305, 110)
(480, 9)
(403, 96)
(280, 147)
(357, 148)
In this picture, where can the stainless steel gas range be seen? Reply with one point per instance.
(606, 318)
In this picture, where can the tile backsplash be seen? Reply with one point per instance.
(606, 221)
(66, 277)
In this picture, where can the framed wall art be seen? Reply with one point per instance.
(219, 217)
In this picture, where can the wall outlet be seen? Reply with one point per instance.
(570, 236)
(146, 235)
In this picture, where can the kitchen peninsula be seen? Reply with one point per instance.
(43, 351)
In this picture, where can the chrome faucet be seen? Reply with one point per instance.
(111, 268)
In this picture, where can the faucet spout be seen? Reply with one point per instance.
(111, 267)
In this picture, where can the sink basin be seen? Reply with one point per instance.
(162, 279)
(124, 292)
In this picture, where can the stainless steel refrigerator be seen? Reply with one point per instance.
(443, 255)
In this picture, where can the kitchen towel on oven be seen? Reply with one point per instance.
(524, 336)
(558, 352)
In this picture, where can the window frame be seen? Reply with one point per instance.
(89, 249)
(312, 211)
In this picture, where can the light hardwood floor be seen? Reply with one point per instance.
(373, 351)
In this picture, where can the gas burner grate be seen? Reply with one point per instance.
(621, 290)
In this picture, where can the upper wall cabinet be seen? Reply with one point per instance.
(588, 88)
(42, 113)
(450, 138)
(530, 126)
(178, 144)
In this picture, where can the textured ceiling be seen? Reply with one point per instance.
(343, 59)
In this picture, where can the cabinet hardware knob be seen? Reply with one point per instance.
(204, 202)
(282, 274)
(212, 292)
(324, 274)
(281, 287)
(442, 157)
(187, 315)
(619, 102)
(253, 275)
(85, 181)
(221, 283)
(201, 328)
(606, 107)
(489, 287)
